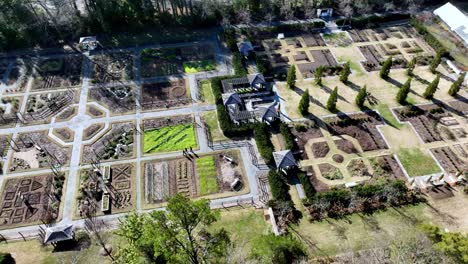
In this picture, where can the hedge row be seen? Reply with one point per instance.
(278, 187)
(309, 189)
(238, 64)
(288, 136)
(371, 21)
(227, 126)
(428, 37)
(265, 146)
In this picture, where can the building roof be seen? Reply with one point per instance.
(231, 98)
(256, 77)
(88, 39)
(230, 84)
(58, 233)
(454, 18)
(284, 159)
(245, 47)
(268, 112)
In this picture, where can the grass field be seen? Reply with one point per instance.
(207, 174)
(208, 96)
(244, 225)
(169, 138)
(199, 66)
(416, 162)
(211, 120)
(387, 115)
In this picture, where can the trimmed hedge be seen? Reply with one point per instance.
(265, 146)
(288, 136)
(309, 189)
(429, 38)
(278, 187)
(238, 64)
(371, 21)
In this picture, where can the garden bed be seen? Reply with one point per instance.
(166, 94)
(112, 67)
(118, 99)
(58, 72)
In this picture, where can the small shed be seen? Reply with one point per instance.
(455, 19)
(88, 43)
(58, 233)
(284, 160)
(281, 36)
(268, 114)
(325, 13)
(245, 48)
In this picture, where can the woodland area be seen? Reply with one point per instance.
(27, 23)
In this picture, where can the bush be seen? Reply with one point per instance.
(277, 249)
(304, 103)
(278, 187)
(264, 145)
(309, 189)
(428, 37)
(238, 65)
(6, 258)
(288, 136)
(331, 103)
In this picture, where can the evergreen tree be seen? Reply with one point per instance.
(318, 75)
(411, 66)
(345, 72)
(456, 86)
(435, 62)
(432, 88)
(387, 65)
(304, 103)
(291, 79)
(361, 97)
(404, 91)
(331, 103)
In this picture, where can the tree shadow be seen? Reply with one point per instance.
(329, 90)
(393, 81)
(311, 99)
(353, 86)
(421, 80)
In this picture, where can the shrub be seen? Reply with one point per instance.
(264, 144)
(371, 21)
(331, 103)
(309, 189)
(278, 187)
(431, 88)
(304, 103)
(428, 37)
(6, 258)
(411, 65)
(288, 136)
(404, 91)
(387, 65)
(456, 86)
(361, 97)
(318, 75)
(238, 65)
(291, 79)
(345, 72)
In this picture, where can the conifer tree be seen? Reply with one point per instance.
(404, 91)
(411, 66)
(432, 88)
(435, 62)
(456, 86)
(304, 103)
(291, 78)
(318, 75)
(331, 103)
(345, 72)
(387, 65)
(361, 97)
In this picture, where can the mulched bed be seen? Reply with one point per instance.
(321, 58)
(338, 158)
(320, 149)
(440, 192)
(318, 185)
(449, 160)
(387, 167)
(360, 126)
(346, 146)
(164, 94)
(303, 133)
(330, 172)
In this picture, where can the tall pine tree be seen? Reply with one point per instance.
(331, 103)
(304, 103)
(361, 97)
(435, 62)
(404, 91)
(291, 78)
(387, 65)
(411, 66)
(456, 86)
(432, 88)
(345, 72)
(318, 75)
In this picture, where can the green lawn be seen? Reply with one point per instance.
(386, 113)
(169, 138)
(416, 162)
(361, 231)
(211, 120)
(207, 174)
(205, 89)
(243, 225)
(199, 66)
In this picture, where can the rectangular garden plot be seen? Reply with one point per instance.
(40, 107)
(117, 99)
(322, 58)
(386, 167)
(450, 161)
(165, 94)
(28, 200)
(360, 126)
(116, 143)
(193, 176)
(35, 150)
(113, 67)
(58, 72)
(169, 134)
(9, 107)
(107, 190)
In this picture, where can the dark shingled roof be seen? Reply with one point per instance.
(266, 112)
(284, 159)
(58, 233)
(231, 98)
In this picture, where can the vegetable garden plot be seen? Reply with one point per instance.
(112, 67)
(58, 72)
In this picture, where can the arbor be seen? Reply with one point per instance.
(291, 78)
(456, 86)
(431, 88)
(177, 235)
(387, 65)
(304, 103)
(345, 72)
(361, 97)
(318, 75)
(411, 66)
(435, 62)
(404, 91)
(331, 103)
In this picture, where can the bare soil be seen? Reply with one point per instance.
(320, 149)
(164, 94)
